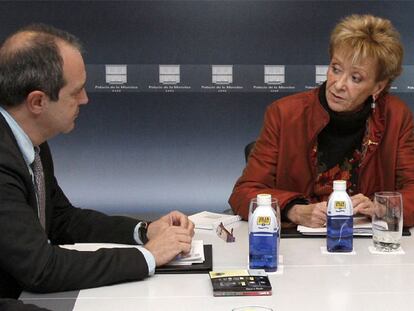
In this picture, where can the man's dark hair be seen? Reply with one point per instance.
(30, 60)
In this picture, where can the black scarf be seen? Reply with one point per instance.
(342, 135)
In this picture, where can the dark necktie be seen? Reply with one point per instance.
(39, 186)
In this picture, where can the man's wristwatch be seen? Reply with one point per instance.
(142, 231)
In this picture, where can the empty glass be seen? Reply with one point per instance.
(387, 221)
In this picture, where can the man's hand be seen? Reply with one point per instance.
(174, 218)
(362, 205)
(168, 243)
(312, 215)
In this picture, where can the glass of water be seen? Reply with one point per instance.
(387, 221)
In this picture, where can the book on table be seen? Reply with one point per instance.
(240, 283)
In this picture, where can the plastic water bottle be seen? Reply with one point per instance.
(339, 224)
(264, 231)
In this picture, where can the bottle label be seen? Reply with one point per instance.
(339, 205)
(263, 221)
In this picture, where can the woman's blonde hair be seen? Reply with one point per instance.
(370, 37)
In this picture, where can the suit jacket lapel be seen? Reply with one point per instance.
(7, 137)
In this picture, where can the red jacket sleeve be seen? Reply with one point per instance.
(260, 173)
(405, 168)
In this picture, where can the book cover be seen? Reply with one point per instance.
(240, 283)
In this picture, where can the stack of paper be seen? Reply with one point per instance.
(362, 227)
(210, 221)
(91, 247)
(196, 255)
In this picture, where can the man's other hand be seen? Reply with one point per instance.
(168, 243)
(174, 218)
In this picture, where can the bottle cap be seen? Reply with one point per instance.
(264, 200)
(339, 185)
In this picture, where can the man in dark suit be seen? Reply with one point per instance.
(42, 86)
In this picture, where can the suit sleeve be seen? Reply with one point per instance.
(75, 225)
(69, 224)
(17, 305)
(39, 266)
(260, 173)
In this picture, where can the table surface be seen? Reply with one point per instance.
(307, 279)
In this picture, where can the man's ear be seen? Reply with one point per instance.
(36, 101)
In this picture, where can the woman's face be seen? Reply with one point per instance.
(349, 85)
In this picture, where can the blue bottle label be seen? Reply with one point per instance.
(263, 239)
(339, 234)
(263, 251)
(339, 224)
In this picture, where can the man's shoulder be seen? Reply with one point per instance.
(8, 144)
(12, 164)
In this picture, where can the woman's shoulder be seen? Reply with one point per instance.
(295, 101)
(395, 110)
(393, 103)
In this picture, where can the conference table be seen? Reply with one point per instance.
(308, 278)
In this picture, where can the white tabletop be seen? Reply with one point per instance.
(307, 279)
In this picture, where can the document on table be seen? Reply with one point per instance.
(210, 221)
(196, 254)
(91, 247)
(362, 227)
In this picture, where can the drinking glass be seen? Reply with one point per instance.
(387, 221)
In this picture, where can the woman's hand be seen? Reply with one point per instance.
(362, 205)
(311, 215)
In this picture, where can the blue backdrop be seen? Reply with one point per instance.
(154, 151)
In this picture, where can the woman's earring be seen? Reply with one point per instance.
(373, 104)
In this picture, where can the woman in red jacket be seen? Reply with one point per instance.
(350, 128)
